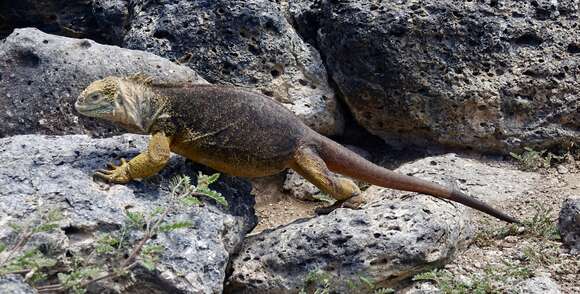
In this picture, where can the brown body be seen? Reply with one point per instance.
(241, 133)
(228, 130)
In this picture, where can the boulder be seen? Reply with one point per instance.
(244, 43)
(41, 76)
(492, 76)
(569, 224)
(55, 173)
(393, 237)
(385, 242)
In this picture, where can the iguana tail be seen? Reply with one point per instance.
(343, 161)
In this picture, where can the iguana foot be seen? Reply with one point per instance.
(115, 174)
(354, 202)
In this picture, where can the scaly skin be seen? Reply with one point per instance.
(241, 133)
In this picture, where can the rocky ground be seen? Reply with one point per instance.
(438, 76)
(501, 257)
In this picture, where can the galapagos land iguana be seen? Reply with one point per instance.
(241, 133)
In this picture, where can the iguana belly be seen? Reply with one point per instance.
(231, 161)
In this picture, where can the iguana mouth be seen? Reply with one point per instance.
(88, 109)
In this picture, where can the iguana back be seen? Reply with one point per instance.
(216, 125)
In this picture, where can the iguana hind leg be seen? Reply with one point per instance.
(144, 165)
(310, 166)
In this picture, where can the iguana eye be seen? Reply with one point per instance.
(94, 97)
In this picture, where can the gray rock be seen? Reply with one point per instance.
(421, 288)
(112, 17)
(569, 224)
(299, 187)
(12, 284)
(494, 76)
(41, 75)
(385, 242)
(538, 285)
(47, 172)
(305, 16)
(245, 43)
(485, 181)
(396, 235)
(60, 17)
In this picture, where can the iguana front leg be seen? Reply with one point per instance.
(146, 164)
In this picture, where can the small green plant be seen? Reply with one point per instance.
(486, 236)
(544, 255)
(322, 282)
(115, 254)
(319, 280)
(532, 160)
(541, 225)
(444, 280)
(32, 263)
(492, 281)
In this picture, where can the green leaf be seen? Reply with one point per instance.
(45, 228)
(157, 211)
(135, 219)
(17, 228)
(54, 216)
(369, 283)
(106, 243)
(149, 254)
(148, 263)
(516, 156)
(75, 278)
(37, 277)
(211, 179)
(152, 249)
(175, 226)
(2, 247)
(191, 201)
(30, 260)
(203, 181)
(217, 196)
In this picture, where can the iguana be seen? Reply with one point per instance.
(241, 133)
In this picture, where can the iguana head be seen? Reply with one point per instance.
(124, 101)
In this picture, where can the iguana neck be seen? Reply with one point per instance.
(141, 106)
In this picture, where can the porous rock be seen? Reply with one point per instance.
(47, 172)
(245, 43)
(488, 75)
(60, 17)
(537, 285)
(13, 284)
(41, 76)
(569, 224)
(393, 237)
(385, 242)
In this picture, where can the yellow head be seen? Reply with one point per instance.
(124, 101)
(102, 99)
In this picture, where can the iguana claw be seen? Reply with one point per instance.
(116, 174)
(354, 202)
